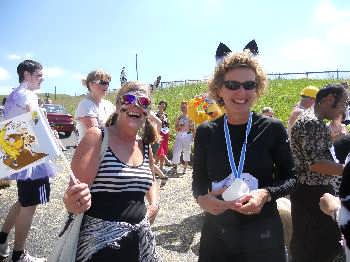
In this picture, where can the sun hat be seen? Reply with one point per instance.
(309, 91)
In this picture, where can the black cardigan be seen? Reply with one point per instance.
(268, 156)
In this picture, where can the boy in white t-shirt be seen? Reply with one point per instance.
(93, 110)
(33, 183)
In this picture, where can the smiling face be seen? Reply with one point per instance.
(132, 107)
(240, 100)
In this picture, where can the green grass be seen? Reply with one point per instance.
(282, 95)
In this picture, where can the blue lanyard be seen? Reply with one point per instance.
(235, 172)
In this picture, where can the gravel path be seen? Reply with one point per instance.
(177, 226)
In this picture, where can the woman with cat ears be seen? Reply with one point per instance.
(112, 188)
(242, 163)
(223, 51)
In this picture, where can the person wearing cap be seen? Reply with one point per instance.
(210, 111)
(307, 100)
(316, 236)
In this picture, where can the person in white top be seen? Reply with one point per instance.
(93, 110)
(184, 137)
(32, 183)
(307, 100)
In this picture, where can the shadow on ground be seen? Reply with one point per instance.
(179, 237)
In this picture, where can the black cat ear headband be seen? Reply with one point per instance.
(222, 50)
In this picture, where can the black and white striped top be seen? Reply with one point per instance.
(116, 177)
(119, 190)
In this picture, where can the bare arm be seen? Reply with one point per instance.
(88, 122)
(155, 120)
(293, 117)
(152, 194)
(177, 126)
(77, 197)
(192, 128)
(87, 156)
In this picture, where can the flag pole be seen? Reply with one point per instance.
(137, 71)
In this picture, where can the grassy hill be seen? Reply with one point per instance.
(281, 96)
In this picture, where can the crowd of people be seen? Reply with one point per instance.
(243, 163)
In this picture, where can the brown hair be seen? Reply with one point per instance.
(98, 74)
(149, 132)
(243, 59)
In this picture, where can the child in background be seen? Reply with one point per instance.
(164, 133)
(184, 136)
(267, 111)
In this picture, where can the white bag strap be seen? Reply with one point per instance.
(104, 144)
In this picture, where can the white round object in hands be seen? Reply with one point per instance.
(236, 190)
(165, 130)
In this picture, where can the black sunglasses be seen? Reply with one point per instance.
(101, 82)
(235, 85)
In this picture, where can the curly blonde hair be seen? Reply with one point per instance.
(98, 74)
(149, 132)
(243, 59)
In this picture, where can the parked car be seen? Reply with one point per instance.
(59, 119)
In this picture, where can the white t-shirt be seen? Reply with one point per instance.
(18, 100)
(15, 105)
(88, 108)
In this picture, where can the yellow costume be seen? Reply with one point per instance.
(210, 110)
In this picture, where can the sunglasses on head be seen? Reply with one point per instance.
(142, 101)
(235, 85)
(101, 82)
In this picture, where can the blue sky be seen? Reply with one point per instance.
(174, 39)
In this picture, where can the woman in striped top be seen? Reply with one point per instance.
(116, 224)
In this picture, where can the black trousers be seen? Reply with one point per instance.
(260, 240)
(315, 235)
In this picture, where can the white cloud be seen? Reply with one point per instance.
(52, 72)
(300, 55)
(322, 49)
(335, 23)
(4, 74)
(14, 57)
(327, 13)
(5, 90)
(78, 76)
(339, 34)
(28, 56)
(309, 48)
(20, 57)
